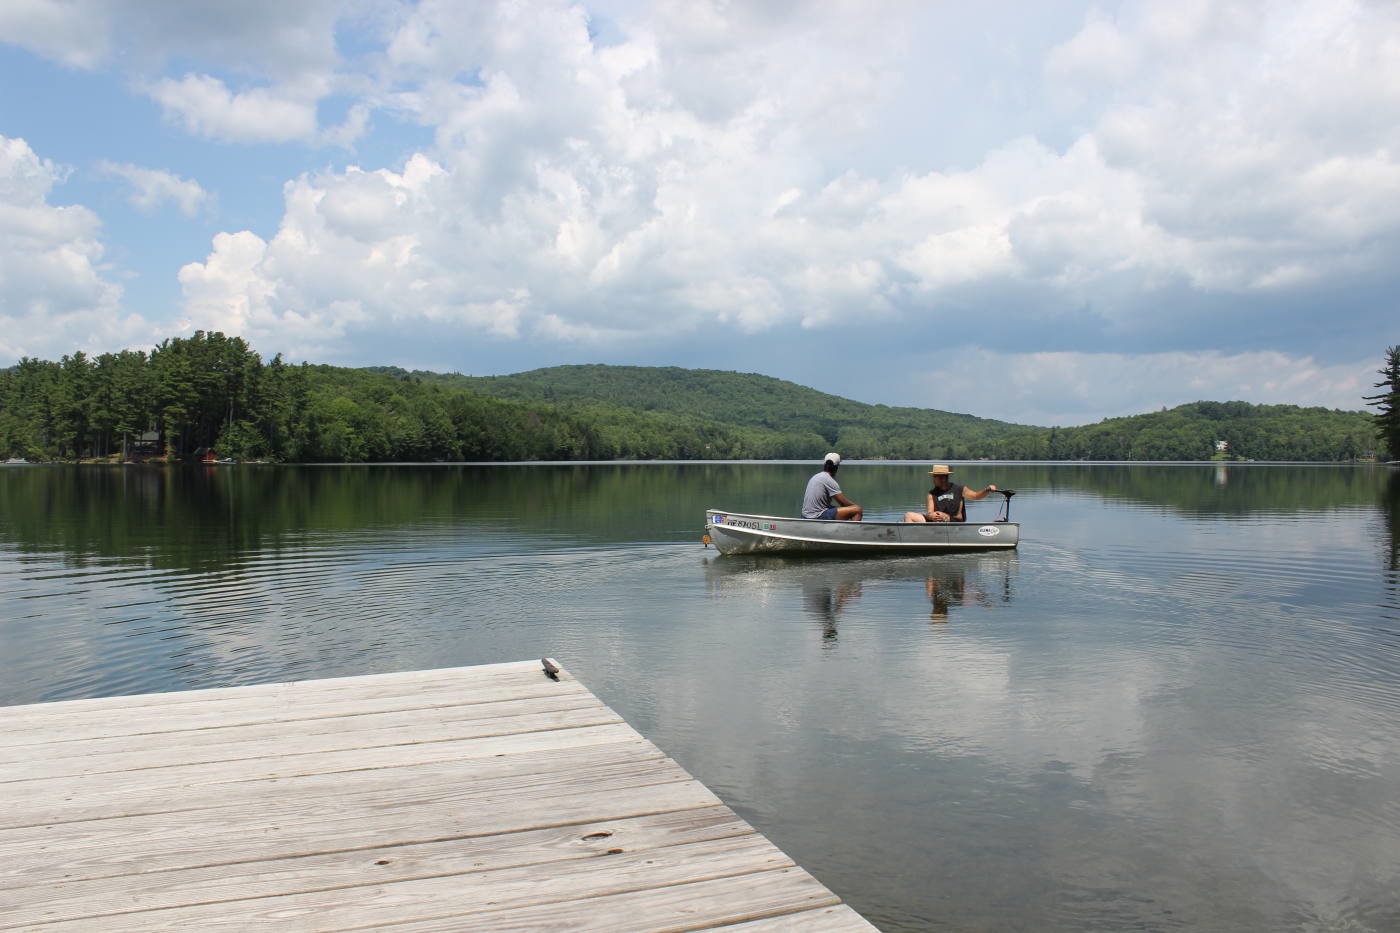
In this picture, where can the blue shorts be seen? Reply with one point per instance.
(828, 515)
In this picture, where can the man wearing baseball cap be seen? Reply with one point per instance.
(945, 499)
(823, 498)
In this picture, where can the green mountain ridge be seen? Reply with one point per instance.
(766, 407)
(861, 430)
(189, 395)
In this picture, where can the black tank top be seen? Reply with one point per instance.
(950, 501)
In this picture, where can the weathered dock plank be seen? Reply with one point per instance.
(142, 891)
(46, 802)
(355, 759)
(321, 699)
(479, 798)
(190, 742)
(247, 743)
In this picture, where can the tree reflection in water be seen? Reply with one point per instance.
(1390, 514)
(1390, 517)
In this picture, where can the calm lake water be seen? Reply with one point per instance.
(1177, 707)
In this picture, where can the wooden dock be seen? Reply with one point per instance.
(477, 798)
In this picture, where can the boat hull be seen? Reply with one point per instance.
(738, 533)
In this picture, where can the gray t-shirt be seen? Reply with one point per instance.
(820, 490)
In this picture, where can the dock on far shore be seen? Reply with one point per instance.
(493, 797)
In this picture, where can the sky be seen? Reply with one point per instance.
(1046, 213)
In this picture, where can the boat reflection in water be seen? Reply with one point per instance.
(824, 602)
(829, 589)
(949, 588)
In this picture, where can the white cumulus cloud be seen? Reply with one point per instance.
(284, 55)
(1069, 388)
(264, 35)
(206, 107)
(71, 33)
(696, 171)
(152, 188)
(55, 294)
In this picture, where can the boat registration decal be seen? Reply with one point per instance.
(739, 523)
(989, 531)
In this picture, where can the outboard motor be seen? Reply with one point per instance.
(1005, 514)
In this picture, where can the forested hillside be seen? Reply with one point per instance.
(781, 418)
(1190, 432)
(213, 391)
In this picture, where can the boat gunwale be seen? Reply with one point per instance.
(836, 522)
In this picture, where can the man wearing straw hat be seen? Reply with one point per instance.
(945, 499)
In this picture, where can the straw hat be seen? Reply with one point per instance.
(940, 470)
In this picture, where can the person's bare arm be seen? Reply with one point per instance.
(969, 494)
(841, 498)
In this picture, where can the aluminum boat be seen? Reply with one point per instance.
(738, 533)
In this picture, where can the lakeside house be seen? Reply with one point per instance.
(145, 446)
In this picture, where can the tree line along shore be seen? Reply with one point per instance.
(210, 392)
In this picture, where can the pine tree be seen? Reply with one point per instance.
(1388, 402)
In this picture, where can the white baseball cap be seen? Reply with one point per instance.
(832, 457)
